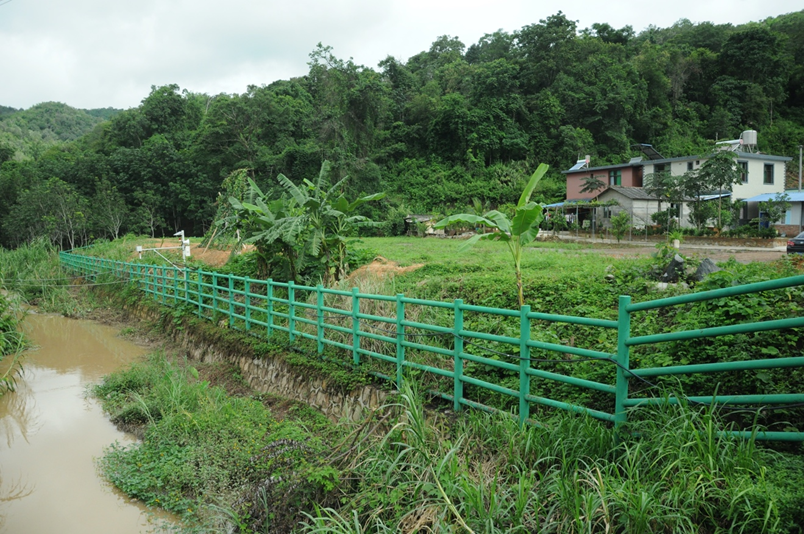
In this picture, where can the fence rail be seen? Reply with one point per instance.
(349, 321)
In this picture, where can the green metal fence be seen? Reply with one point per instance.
(342, 319)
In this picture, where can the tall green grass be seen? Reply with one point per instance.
(32, 271)
(485, 474)
(11, 343)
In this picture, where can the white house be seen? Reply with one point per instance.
(762, 173)
(763, 176)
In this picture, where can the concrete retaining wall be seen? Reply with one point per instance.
(276, 376)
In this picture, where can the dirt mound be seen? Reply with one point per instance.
(382, 267)
(212, 256)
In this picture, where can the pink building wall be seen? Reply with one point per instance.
(631, 177)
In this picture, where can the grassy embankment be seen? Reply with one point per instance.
(474, 472)
(29, 275)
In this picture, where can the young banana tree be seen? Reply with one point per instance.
(261, 222)
(342, 221)
(516, 233)
(329, 215)
(311, 221)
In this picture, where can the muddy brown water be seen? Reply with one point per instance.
(51, 434)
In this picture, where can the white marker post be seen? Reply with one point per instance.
(185, 248)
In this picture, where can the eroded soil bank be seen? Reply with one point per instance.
(51, 433)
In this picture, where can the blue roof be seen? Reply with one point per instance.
(795, 196)
(566, 202)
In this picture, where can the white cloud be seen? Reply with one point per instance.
(96, 53)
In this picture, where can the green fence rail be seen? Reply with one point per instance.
(349, 320)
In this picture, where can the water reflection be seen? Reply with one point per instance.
(11, 492)
(19, 414)
(51, 434)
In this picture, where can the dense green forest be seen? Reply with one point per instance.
(450, 124)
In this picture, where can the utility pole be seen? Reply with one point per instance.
(800, 203)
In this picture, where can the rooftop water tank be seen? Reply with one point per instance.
(749, 137)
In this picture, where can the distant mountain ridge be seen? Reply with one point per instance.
(28, 132)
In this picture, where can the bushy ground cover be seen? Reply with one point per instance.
(32, 272)
(209, 457)
(480, 473)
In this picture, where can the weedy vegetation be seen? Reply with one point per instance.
(211, 458)
(670, 472)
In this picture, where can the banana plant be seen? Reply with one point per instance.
(516, 233)
(329, 215)
(272, 226)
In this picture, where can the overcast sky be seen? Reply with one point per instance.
(101, 53)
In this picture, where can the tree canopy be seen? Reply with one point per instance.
(448, 125)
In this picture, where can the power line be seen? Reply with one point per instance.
(51, 286)
(33, 280)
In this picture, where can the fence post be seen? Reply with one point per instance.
(175, 285)
(247, 302)
(400, 337)
(291, 309)
(457, 389)
(524, 364)
(355, 327)
(623, 334)
(269, 292)
(200, 292)
(231, 301)
(319, 308)
(186, 286)
(153, 282)
(214, 295)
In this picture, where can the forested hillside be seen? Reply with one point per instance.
(26, 134)
(449, 124)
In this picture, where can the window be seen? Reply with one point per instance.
(615, 177)
(768, 173)
(689, 165)
(744, 170)
(660, 167)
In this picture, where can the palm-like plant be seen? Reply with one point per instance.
(516, 233)
(262, 222)
(328, 215)
(592, 184)
(313, 219)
